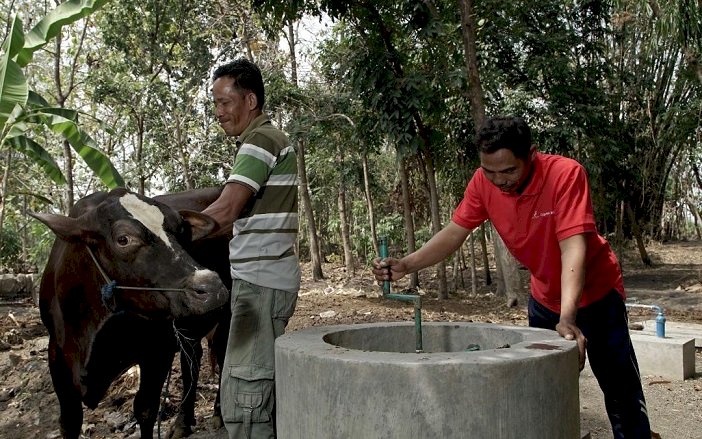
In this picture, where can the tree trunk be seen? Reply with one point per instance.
(424, 135)
(500, 288)
(638, 236)
(455, 271)
(344, 229)
(344, 217)
(25, 234)
(486, 259)
(140, 155)
(68, 192)
(458, 269)
(435, 216)
(511, 281)
(507, 266)
(458, 281)
(473, 271)
(62, 94)
(409, 220)
(619, 232)
(464, 265)
(696, 214)
(306, 201)
(182, 152)
(3, 190)
(475, 89)
(369, 202)
(305, 198)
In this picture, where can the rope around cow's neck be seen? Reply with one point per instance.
(107, 290)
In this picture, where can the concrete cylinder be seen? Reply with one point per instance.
(366, 381)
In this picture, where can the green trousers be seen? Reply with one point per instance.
(259, 316)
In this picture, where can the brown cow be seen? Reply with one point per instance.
(116, 279)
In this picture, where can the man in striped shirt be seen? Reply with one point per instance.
(259, 202)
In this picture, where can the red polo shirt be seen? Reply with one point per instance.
(554, 205)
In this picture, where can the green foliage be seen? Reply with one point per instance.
(14, 85)
(614, 85)
(155, 74)
(19, 227)
(392, 226)
(601, 85)
(10, 248)
(49, 27)
(23, 112)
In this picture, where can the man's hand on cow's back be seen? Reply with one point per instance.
(228, 206)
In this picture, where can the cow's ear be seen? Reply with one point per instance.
(201, 225)
(70, 229)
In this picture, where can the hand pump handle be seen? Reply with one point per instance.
(383, 249)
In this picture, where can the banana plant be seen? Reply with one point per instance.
(22, 111)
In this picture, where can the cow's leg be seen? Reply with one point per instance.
(190, 360)
(147, 398)
(69, 397)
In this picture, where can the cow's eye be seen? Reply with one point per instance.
(123, 240)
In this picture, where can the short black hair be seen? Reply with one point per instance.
(504, 132)
(246, 76)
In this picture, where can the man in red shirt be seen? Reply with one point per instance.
(540, 205)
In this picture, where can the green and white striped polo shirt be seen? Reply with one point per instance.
(262, 249)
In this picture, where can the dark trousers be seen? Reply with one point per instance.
(612, 359)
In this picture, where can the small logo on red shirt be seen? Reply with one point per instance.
(543, 214)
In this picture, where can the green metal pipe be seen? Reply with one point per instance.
(414, 298)
(417, 300)
(383, 248)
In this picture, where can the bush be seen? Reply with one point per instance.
(10, 249)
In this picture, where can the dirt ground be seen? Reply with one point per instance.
(29, 408)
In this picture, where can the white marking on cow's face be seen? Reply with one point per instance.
(150, 216)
